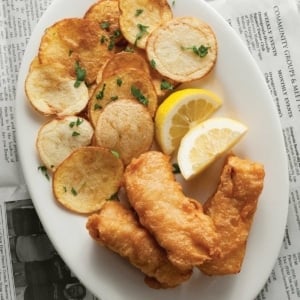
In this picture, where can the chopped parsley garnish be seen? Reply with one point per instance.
(136, 92)
(175, 168)
(115, 153)
(74, 192)
(201, 51)
(80, 74)
(105, 25)
(114, 98)
(97, 106)
(153, 63)
(166, 85)
(103, 39)
(129, 49)
(78, 122)
(142, 31)
(138, 12)
(100, 94)
(173, 2)
(44, 171)
(75, 133)
(65, 189)
(119, 81)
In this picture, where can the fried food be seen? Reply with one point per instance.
(87, 178)
(59, 137)
(120, 86)
(232, 209)
(76, 41)
(176, 221)
(123, 60)
(106, 13)
(192, 43)
(52, 91)
(139, 18)
(125, 126)
(117, 228)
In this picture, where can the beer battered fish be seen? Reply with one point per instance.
(117, 228)
(232, 209)
(176, 221)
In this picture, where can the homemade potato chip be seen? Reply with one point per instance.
(123, 60)
(125, 84)
(59, 137)
(139, 18)
(52, 91)
(106, 13)
(81, 45)
(125, 126)
(87, 178)
(193, 46)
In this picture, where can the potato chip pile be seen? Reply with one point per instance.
(101, 78)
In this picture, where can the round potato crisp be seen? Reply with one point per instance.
(87, 178)
(192, 43)
(127, 127)
(59, 137)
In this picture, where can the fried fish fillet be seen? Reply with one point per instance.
(176, 221)
(232, 209)
(117, 228)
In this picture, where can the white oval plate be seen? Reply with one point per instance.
(242, 86)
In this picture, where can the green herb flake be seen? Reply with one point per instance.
(129, 49)
(78, 122)
(97, 106)
(136, 92)
(119, 81)
(103, 39)
(44, 171)
(173, 3)
(65, 189)
(70, 52)
(100, 94)
(166, 85)
(75, 133)
(138, 12)
(113, 197)
(74, 192)
(175, 168)
(201, 51)
(80, 74)
(153, 63)
(142, 31)
(114, 98)
(105, 25)
(115, 153)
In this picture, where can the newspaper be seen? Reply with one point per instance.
(30, 268)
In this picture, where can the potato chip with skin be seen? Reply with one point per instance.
(107, 13)
(59, 137)
(125, 126)
(119, 86)
(52, 91)
(138, 18)
(192, 43)
(123, 60)
(87, 178)
(77, 41)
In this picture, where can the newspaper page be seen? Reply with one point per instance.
(30, 268)
(269, 28)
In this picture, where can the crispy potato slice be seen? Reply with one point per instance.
(87, 178)
(193, 46)
(77, 41)
(139, 18)
(125, 126)
(52, 91)
(59, 137)
(107, 13)
(123, 60)
(119, 86)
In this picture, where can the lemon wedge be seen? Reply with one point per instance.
(181, 111)
(207, 141)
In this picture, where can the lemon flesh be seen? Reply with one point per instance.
(207, 141)
(181, 111)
